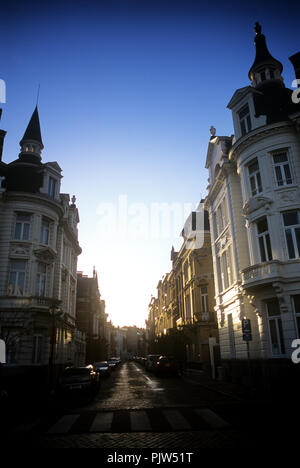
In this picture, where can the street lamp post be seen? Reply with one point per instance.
(54, 312)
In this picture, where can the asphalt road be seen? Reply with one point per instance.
(136, 409)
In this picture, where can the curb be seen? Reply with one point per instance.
(213, 389)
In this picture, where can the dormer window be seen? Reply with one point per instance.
(245, 120)
(263, 76)
(272, 76)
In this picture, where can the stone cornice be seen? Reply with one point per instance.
(33, 198)
(256, 135)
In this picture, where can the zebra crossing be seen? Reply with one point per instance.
(146, 420)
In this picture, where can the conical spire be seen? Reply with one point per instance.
(33, 130)
(264, 63)
(31, 143)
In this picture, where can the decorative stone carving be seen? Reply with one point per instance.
(288, 195)
(20, 250)
(45, 255)
(254, 204)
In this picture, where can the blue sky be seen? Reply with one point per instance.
(128, 92)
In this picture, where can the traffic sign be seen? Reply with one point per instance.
(246, 328)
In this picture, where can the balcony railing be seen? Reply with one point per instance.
(261, 273)
(28, 301)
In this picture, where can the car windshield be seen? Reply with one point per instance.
(100, 364)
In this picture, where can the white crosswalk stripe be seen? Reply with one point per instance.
(139, 421)
(211, 418)
(102, 422)
(64, 424)
(176, 420)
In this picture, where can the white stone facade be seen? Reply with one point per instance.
(254, 207)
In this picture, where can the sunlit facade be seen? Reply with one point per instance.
(254, 209)
(182, 318)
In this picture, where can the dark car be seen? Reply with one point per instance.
(79, 379)
(103, 368)
(117, 360)
(151, 361)
(166, 365)
(113, 363)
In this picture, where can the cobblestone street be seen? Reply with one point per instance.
(135, 409)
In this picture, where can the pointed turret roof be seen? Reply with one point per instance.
(263, 56)
(33, 130)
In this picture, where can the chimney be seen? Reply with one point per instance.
(295, 60)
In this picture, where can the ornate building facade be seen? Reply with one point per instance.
(38, 259)
(181, 319)
(254, 209)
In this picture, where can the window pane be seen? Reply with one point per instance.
(20, 283)
(243, 127)
(253, 185)
(18, 228)
(25, 231)
(269, 249)
(273, 308)
(279, 158)
(253, 167)
(290, 243)
(12, 282)
(290, 218)
(262, 249)
(298, 325)
(297, 235)
(287, 173)
(278, 175)
(296, 300)
(281, 336)
(259, 185)
(262, 226)
(249, 123)
(243, 112)
(23, 218)
(274, 338)
(42, 268)
(18, 265)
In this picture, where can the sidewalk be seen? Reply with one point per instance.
(233, 390)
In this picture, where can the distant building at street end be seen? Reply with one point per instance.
(38, 259)
(254, 210)
(91, 318)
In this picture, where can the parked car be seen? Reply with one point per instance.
(112, 363)
(103, 368)
(83, 379)
(116, 359)
(166, 365)
(151, 361)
